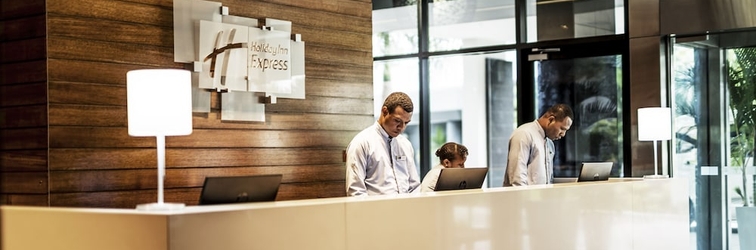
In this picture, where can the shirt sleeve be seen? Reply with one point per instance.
(356, 163)
(414, 177)
(517, 160)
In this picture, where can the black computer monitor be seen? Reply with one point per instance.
(235, 189)
(460, 178)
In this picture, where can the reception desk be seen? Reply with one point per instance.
(617, 214)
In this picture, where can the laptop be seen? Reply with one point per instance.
(461, 178)
(236, 189)
(595, 171)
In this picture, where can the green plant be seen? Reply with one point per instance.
(741, 86)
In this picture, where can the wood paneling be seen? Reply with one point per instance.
(23, 138)
(25, 199)
(137, 179)
(19, 9)
(22, 50)
(24, 183)
(188, 196)
(23, 28)
(23, 72)
(117, 137)
(96, 10)
(93, 162)
(23, 94)
(89, 159)
(23, 103)
(23, 160)
(23, 116)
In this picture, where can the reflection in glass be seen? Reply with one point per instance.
(592, 87)
(399, 75)
(394, 27)
(740, 81)
(686, 112)
(470, 23)
(714, 88)
(458, 111)
(557, 19)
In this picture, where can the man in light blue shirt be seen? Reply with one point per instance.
(531, 148)
(380, 160)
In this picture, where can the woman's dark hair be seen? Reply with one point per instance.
(450, 151)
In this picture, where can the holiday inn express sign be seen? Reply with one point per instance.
(250, 62)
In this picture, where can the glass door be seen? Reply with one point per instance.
(713, 92)
(589, 81)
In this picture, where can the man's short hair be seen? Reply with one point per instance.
(398, 99)
(560, 111)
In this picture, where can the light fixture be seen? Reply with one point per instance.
(159, 103)
(654, 124)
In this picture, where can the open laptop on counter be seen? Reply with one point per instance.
(589, 171)
(236, 189)
(461, 178)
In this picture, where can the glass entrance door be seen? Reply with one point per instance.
(590, 83)
(713, 92)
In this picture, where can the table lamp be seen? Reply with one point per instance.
(654, 124)
(159, 104)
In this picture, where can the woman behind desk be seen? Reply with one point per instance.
(450, 155)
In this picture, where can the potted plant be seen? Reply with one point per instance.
(741, 85)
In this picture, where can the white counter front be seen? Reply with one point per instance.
(619, 214)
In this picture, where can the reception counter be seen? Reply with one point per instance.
(616, 214)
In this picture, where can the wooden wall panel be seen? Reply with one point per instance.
(24, 182)
(25, 199)
(23, 28)
(188, 196)
(23, 160)
(93, 162)
(22, 50)
(116, 137)
(88, 159)
(19, 9)
(137, 179)
(23, 116)
(23, 94)
(23, 103)
(23, 72)
(23, 138)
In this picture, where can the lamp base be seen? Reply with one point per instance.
(654, 177)
(160, 206)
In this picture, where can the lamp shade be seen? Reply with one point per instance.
(159, 102)
(654, 124)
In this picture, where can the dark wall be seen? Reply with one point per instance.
(698, 16)
(91, 160)
(23, 103)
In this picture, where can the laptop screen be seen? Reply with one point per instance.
(235, 189)
(595, 171)
(461, 178)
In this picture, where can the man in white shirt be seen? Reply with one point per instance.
(380, 160)
(531, 147)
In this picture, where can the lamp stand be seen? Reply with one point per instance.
(160, 205)
(656, 168)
